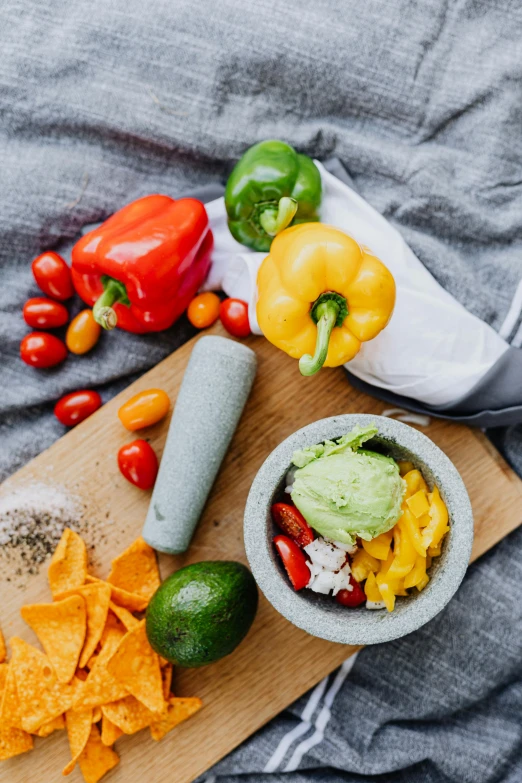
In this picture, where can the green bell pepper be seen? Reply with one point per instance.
(271, 187)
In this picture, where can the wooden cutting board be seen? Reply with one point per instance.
(277, 662)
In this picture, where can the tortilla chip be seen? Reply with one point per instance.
(136, 666)
(4, 668)
(96, 715)
(100, 686)
(131, 601)
(110, 732)
(56, 724)
(166, 676)
(13, 742)
(129, 714)
(113, 632)
(10, 715)
(78, 731)
(178, 711)
(60, 628)
(41, 696)
(136, 570)
(124, 616)
(96, 597)
(3, 650)
(96, 758)
(68, 566)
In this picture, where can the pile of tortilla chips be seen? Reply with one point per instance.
(98, 677)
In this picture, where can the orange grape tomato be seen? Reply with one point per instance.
(145, 408)
(82, 333)
(203, 310)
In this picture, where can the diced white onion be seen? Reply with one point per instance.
(375, 605)
(326, 555)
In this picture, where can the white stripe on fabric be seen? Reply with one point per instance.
(323, 717)
(513, 314)
(517, 339)
(301, 728)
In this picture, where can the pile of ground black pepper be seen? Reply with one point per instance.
(32, 521)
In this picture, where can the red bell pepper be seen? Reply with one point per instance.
(140, 269)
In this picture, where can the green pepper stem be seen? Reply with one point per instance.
(103, 312)
(326, 314)
(274, 220)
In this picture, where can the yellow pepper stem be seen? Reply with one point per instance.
(275, 219)
(326, 313)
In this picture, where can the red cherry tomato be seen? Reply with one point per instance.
(234, 317)
(351, 598)
(41, 313)
(292, 523)
(77, 406)
(53, 276)
(138, 462)
(40, 349)
(294, 561)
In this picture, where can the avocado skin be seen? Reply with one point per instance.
(202, 612)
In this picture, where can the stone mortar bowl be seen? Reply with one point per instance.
(321, 615)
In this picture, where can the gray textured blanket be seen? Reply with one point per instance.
(101, 102)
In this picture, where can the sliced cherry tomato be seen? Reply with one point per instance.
(82, 333)
(138, 463)
(145, 408)
(41, 313)
(351, 598)
(53, 276)
(77, 406)
(294, 561)
(292, 523)
(203, 311)
(234, 317)
(40, 349)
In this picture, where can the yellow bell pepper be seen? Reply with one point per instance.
(363, 564)
(432, 534)
(320, 295)
(418, 504)
(405, 466)
(417, 573)
(371, 589)
(379, 546)
(404, 552)
(410, 525)
(414, 482)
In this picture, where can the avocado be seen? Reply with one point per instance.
(202, 612)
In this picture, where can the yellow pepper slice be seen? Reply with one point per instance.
(371, 589)
(363, 564)
(414, 481)
(418, 504)
(320, 295)
(417, 573)
(410, 525)
(405, 466)
(386, 591)
(438, 526)
(379, 547)
(422, 584)
(404, 553)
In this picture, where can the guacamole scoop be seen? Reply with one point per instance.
(344, 491)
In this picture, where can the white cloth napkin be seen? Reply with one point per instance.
(433, 349)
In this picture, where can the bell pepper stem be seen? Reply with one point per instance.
(326, 314)
(103, 312)
(274, 220)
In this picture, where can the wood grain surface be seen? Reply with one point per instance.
(277, 662)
